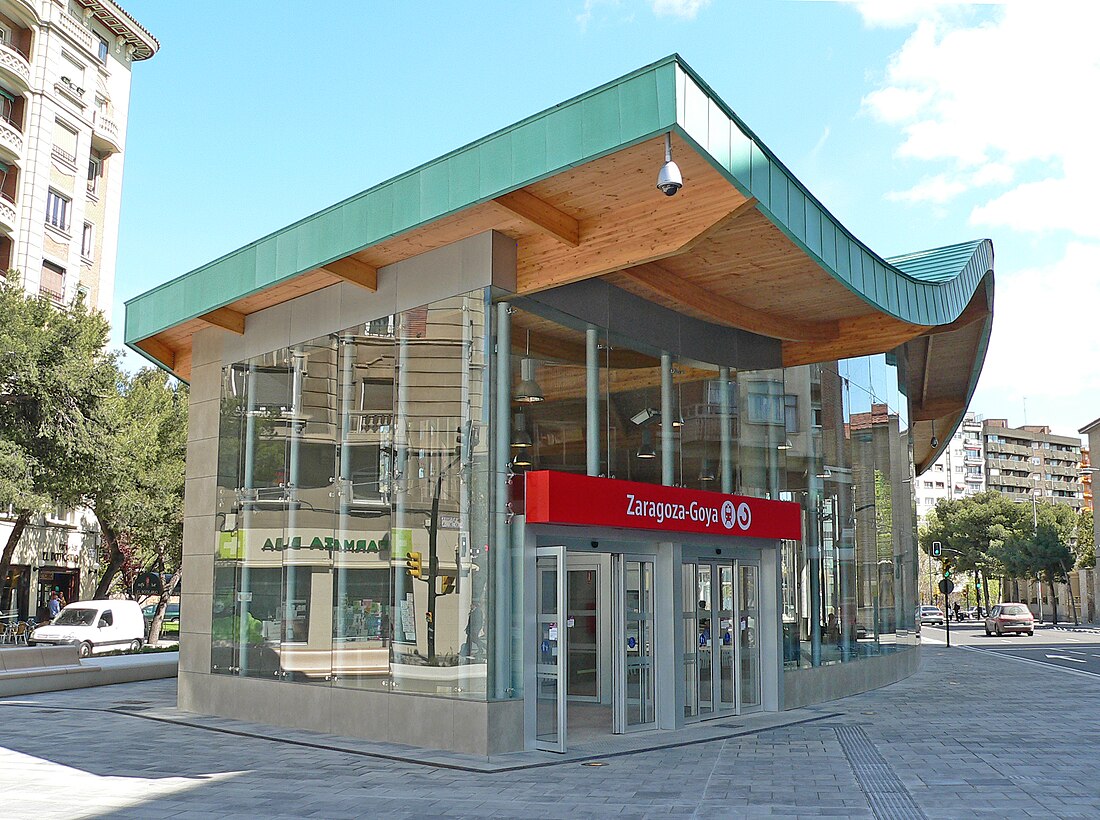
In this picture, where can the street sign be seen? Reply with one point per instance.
(946, 585)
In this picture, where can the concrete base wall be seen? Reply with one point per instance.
(471, 727)
(803, 687)
(31, 670)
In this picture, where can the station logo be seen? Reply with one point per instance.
(736, 515)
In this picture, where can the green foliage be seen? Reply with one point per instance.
(1086, 540)
(138, 487)
(54, 374)
(1042, 553)
(974, 528)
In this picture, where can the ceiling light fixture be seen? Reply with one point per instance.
(520, 437)
(528, 390)
(646, 450)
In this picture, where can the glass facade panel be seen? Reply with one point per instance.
(366, 503)
(353, 507)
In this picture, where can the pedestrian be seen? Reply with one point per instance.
(957, 609)
(54, 605)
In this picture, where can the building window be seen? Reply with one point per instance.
(57, 210)
(95, 173)
(52, 284)
(103, 49)
(64, 143)
(87, 241)
(790, 413)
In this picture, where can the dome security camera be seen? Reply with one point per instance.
(669, 180)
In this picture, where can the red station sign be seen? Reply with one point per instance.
(566, 498)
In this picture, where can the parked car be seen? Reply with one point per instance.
(1010, 617)
(929, 615)
(95, 625)
(972, 614)
(171, 622)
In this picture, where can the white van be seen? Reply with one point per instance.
(93, 625)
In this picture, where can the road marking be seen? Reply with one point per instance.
(1072, 640)
(1065, 658)
(1044, 664)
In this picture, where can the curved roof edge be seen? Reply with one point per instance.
(981, 258)
(666, 95)
(896, 287)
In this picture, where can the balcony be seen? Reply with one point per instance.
(14, 67)
(105, 138)
(11, 140)
(9, 217)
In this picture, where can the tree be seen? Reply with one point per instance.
(1086, 540)
(55, 372)
(137, 494)
(972, 529)
(1043, 553)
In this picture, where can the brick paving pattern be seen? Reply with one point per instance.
(970, 735)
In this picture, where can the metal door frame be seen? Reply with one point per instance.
(618, 631)
(715, 564)
(579, 562)
(557, 669)
(755, 563)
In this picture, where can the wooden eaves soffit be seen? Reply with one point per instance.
(743, 244)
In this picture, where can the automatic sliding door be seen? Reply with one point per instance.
(550, 683)
(635, 671)
(727, 648)
(749, 629)
(690, 626)
(705, 638)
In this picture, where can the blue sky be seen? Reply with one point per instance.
(916, 123)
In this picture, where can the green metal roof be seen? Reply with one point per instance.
(664, 96)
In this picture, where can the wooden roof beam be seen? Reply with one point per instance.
(542, 216)
(935, 409)
(352, 270)
(859, 336)
(159, 351)
(726, 311)
(227, 318)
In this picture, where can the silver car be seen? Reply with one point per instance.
(929, 615)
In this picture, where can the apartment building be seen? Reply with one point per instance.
(1031, 462)
(64, 102)
(958, 472)
(64, 99)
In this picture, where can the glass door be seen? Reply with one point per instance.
(709, 621)
(582, 621)
(635, 676)
(551, 650)
(748, 605)
(726, 646)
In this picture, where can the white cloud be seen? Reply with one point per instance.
(938, 189)
(684, 9)
(1008, 98)
(1043, 346)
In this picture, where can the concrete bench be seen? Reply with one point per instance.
(28, 669)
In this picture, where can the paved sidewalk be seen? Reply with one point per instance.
(970, 735)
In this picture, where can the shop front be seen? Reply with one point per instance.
(515, 451)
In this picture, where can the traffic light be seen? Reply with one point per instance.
(412, 564)
(937, 549)
(447, 585)
(946, 568)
